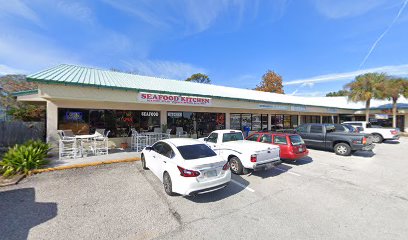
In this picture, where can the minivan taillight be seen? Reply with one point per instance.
(188, 173)
(226, 166)
(253, 158)
(364, 140)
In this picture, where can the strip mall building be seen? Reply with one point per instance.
(83, 99)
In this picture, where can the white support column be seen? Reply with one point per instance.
(321, 119)
(52, 122)
(299, 119)
(163, 117)
(405, 123)
(269, 121)
(227, 120)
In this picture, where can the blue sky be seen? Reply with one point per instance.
(316, 45)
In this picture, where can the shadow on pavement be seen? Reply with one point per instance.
(302, 161)
(19, 212)
(391, 142)
(365, 154)
(273, 172)
(236, 185)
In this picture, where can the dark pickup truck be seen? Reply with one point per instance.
(325, 136)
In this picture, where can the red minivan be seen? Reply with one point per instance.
(292, 147)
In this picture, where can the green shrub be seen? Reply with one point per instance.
(24, 158)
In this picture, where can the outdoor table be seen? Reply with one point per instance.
(83, 138)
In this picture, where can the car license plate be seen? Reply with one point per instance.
(300, 149)
(211, 173)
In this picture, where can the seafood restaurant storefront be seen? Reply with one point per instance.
(83, 99)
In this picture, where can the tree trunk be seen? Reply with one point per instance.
(368, 110)
(394, 112)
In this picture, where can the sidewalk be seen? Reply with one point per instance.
(91, 160)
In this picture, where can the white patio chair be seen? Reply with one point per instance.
(100, 131)
(166, 135)
(68, 148)
(101, 144)
(180, 132)
(133, 136)
(68, 134)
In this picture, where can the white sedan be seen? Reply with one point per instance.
(186, 166)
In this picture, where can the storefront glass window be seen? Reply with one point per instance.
(310, 119)
(198, 123)
(330, 119)
(76, 120)
(256, 122)
(294, 121)
(235, 121)
(246, 121)
(264, 121)
(286, 121)
(119, 122)
(276, 122)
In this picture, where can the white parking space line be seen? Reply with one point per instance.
(242, 185)
(283, 170)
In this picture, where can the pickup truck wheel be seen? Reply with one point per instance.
(342, 149)
(377, 138)
(236, 165)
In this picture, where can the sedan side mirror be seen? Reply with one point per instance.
(148, 148)
(205, 139)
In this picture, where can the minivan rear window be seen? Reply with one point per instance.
(191, 152)
(296, 140)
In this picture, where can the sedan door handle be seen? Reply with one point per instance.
(164, 161)
(154, 156)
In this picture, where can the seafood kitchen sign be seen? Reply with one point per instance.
(173, 99)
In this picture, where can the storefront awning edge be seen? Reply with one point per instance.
(175, 93)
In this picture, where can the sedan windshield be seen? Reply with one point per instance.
(191, 152)
(296, 140)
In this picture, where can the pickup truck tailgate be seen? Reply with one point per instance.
(264, 156)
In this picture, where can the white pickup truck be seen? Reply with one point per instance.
(379, 134)
(241, 154)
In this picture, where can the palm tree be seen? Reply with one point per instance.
(366, 87)
(393, 89)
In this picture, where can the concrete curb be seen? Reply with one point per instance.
(11, 181)
(82, 165)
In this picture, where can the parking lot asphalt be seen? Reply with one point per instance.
(323, 196)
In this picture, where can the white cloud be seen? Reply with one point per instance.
(77, 11)
(346, 8)
(194, 16)
(4, 70)
(308, 84)
(19, 9)
(391, 70)
(29, 51)
(165, 69)
(309, 94)
(384, 33)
